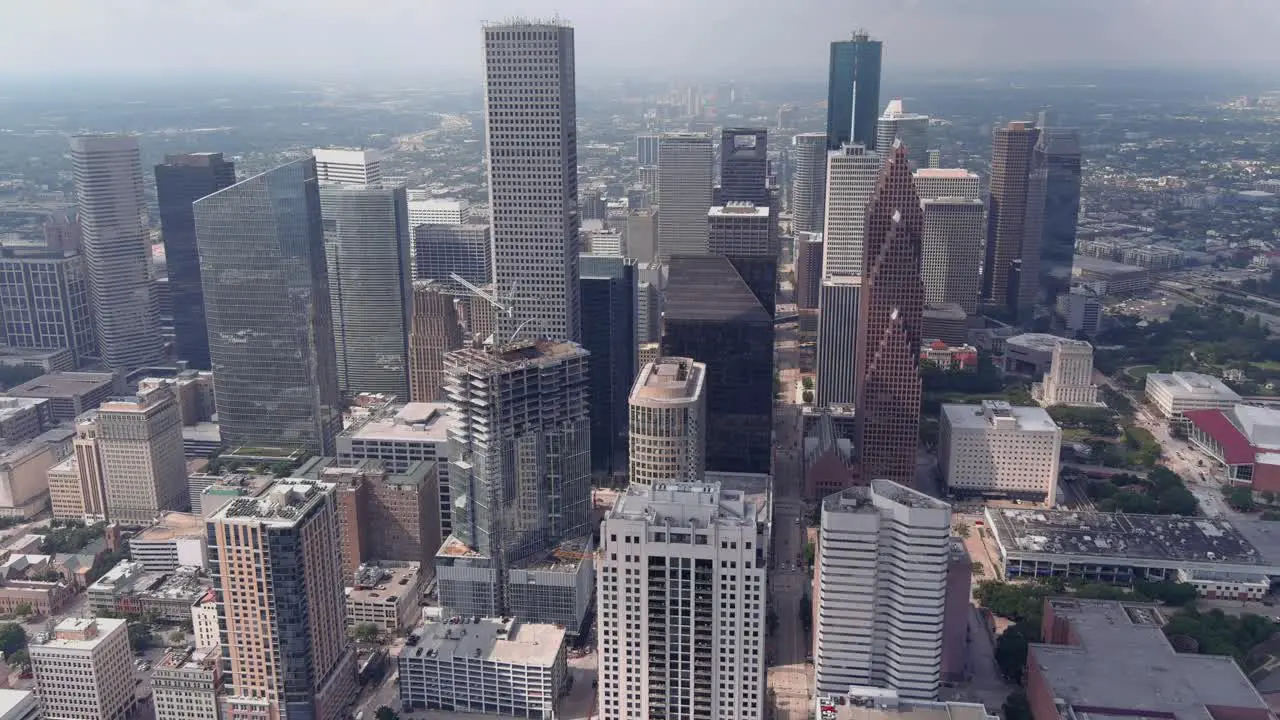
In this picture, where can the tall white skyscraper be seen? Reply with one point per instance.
(808, 182)
(852, 172)
(911, 128)
(348, 166)
(882, 578)
(685, 166)
(116, 247)
(952, 235)
(680, 604)
(668, 435)
(531, 123)
(838, 299)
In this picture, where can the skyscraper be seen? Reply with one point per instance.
(1057, 155)
(277, 577)
(837, 341)
(139, 442)
(747, 234)
(951, 253)
(117, 253)
(434, 331)
(853, 91)
(348, 166)
(44, 301)
(851, 177)
(668, 429)
(609, 291)
(892, 302)
(808, 269)
(647, 150)
(911, 128)
(443, 250)
(531, 133)
(1007, 208)
(809, 182)
(266, 291)
(685, 163)
(744, 166)
(180, 181)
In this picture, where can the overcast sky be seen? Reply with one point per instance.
(689, 38)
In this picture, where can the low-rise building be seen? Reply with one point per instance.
(1244, 439)
(1070, 377)
(873, 703)
(176, 539)
(19, 705)
(69, 393)
(130, 588)
(185, 684)
(949, 357)
(1229, 586)
(1175, 393)
(387, 595)
(996, 449)
(24, 418)
(1111, 278)
(85, 671)
(204, 621)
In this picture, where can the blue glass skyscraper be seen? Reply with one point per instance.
(853, 91)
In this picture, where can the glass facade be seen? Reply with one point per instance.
(853, 92)
(44, 299)
(266, 293)
(1057, 154)
(609, 334)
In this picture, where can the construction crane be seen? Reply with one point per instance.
(505, 305)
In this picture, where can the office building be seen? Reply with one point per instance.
(76, 490)
(911, 129)
(440, 251)
(839, 303)
(348, 166)
(853, 91)
(386, 515)
(180, 181)
(1175, 393)
(1081, 311)
(1057, 155)
(609, 288)
(44, 302)
(110, 202)
(175, 540)
(684, 565)
(668, 433)
(533, 186)
(880, 588)
(266, 291)
(888, 345)
(185, 684)
(808, 269)
(24, 418)
(639, 239)
(1011, 253)
(24, 471)
(285, 646)
(746, 234)
(439, 211)
(69, 393)
(20, 705)
(685, 163)
(711, 315)
(139, 442)
(130, 588)
(366, 243)
(947, 182)
(647, 150)
(486, 665)
(808, 182)
(996, 449)
(1070, 377)
(744, 166)
(85, 671)
(433, 331)
(387, 595)
(951, 252)
(852, 172)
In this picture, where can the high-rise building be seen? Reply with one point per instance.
(912, 129)
(946, 182)
(836, 383)
(647, 149)
(443, 250)
(85, 672)
(685, 164)
(62, 232)
(117, 255)
(1010, 253)
(892, 303)
(852, 172)
(1057, 155)
(277, 575)
(746, 234)
(186, 684)
(139, 442)
(711, 315)
(180, 181)
(1070, 377)
(1001, 450)
(951, 254)
(668, 433)
(682, 573)
(744, 166)
(531, 130)
(439, 211)
(266, 291)
(91, 495)
(1081, 311)
(853, 91)
(44, 301)
(348, 166)
(386, 515)
(366, 236)
(808, 269)
(881, 579)
(609, 288)
(809, 182)
(433, 332)
(935, 158)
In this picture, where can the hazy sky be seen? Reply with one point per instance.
(728, 38)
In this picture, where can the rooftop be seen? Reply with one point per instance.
(424, 422)
(1043, 342)
(12, 700)
(516, 355)
(283, 503)
(863, 498)
(945, 173)
(1190, 384)
(62, 384)
(78, 633)
(1085, 263)
(869, 703)
(694, 505)
(739, 209)
(707, 287)
(385, 583)
(669, 379)
(996, 413)
(493, 639)
(191, 659)
(173, 525)
(10, 406)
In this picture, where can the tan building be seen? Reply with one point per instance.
(996, 449)
(185, 684)
(387, 595)
(69, 393)
(86, 671)
(386, 516)
(193, 391)
(24, 479)
(93, 494)
(204, 621)
(434, 330)
(176, 539)
(668, 407)
(1070, 377)
(140, 444)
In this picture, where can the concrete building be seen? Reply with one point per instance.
(747, 234)
(443, 250)
(1081, 311)
(683, 565)
(88, 497)
(852, 172)
(348, 166)
(176, 539)
(388, 595)
(385, 515)
(1175, 393)
(139, 442)
(24, 469)
(66, 501)
(44, 300)
(433, 331)
(880, 590)
(204, 621)
(647, 149)
(493, 665)
(809, 183)
(439, 211)
(1070, 377)
(947, 182)
(1245, 440)
(609, 289)
(130, 588)
(648, 352)
(1110, 278)
(69, 393)
(639, 239)
(954, 224)
(185, 684)
(840, 299)
(1001, 450)
(685, 167)
(24, 418)
(911, 129)
(533, 134)
(1011, 270)
(110, 204)
(20, 705)
(808, 269)
(286, 650)
(668, 407)
(1030, 353)
(85, 672)
(871, 703)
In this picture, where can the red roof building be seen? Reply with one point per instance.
(1244, 439)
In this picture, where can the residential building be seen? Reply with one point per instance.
(1070, 377)
(385, 515)
(911, 129)
(348, 166)
(951, 237)
(533, 185)
(1011, 253)
(44, 302)
(609, 289)
(852, 172)
(809, 183)
(744, 166)
(185, 684)
(110, 203)
(746, 233)
(176, 539)
(880, 590)
(180, 181)
(433, 331)
(1175, 393)
(266, 292)
(439, 211)
(808, 269)
(839, 302)
(85, 672)
(20, 705)
(996, 449)
(70, 394)
(1057, 155)
(139, 442)
(853, 91)
(685, 165)
(440, 251)
(285, 648)
(387, 595)
(684, 565)
(668, 429)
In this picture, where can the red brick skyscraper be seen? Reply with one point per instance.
(888, 362)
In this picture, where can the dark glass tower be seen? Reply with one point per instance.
(609, 334)
(180, 181)
(1057, 154)
(744, 166)
(1014, 210)
(266, 292)
(853, 92)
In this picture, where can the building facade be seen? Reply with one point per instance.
(139, 443)
(609, 290)
(852, 172)
(1175, 393)
(1070, 377)
(911, 129)
(808, 269)
(85, 670)
(853, 91)
(185, 684)
(348, 166)
(1057, 154)
(439, 211)
(440, 251)
(1001, 450)
(746, 233)
(808, 182)
(744, 166)
(668, 430)
(685, 165)
(1015, 211)
(839, 302)
(44, 302)
(433, 331)
(951, 238)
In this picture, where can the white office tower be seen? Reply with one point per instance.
(680, 605)
(348, 166)
(1070, 377)
(668, 407)
(996, 449)
(117, 250)
(882, 577)
(808, 182)
(439, 211)
(852, 172)
(531, 137)
(952, 236)
(85, 672)
(685, 162)
(838, 299)
(910, 128)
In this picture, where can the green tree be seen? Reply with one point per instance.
(808, 383)
(963, 530)
(807, 396)
(1016, 706)
(140, 636)
(22, 609)
(366, 632)
(12, 638)
(19, 659)
(977, 568)
(177, 637)
(1240, 498)
(385, 713)
(1011, 649)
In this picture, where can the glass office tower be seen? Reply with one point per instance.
(853, 92)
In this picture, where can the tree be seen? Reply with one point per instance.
(22, 609)
(1240, 498)
(1011, 649)
(1016, 706)
(977, 568)
(12, 638)
(140, 636)
(808, 383)
(366, 632)
(177, 637)
(809, 554)
(963, 530)
(807, 396)
(385, 713)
